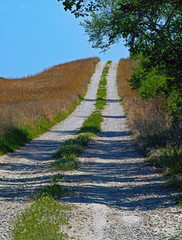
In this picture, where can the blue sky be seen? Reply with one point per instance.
(38, 34)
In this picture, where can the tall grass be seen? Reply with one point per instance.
(146, 118)
(41, 100)
(152, 130)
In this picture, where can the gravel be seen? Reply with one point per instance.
(24, 171)
(117, 196)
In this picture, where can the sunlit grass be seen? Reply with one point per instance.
(42, 221)
(93, 123)
(34, 104)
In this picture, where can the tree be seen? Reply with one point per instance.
(80, 7)
(150, 27)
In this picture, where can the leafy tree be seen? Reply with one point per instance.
(150, 27)
(80, 7)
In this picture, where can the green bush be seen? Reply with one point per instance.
(153, 84)
(169, 160)
(174, 106)
(139, 74)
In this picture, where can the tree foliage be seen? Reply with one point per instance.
(150, 27)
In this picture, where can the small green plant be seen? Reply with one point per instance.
(12, 139)
(65, 163)
(54, 190)
(169, 160)
(66, 157)
(42, 221)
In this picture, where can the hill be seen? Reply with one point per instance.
(37, 102)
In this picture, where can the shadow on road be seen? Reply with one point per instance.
(112, 174)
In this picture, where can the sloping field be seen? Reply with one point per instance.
(23, 101)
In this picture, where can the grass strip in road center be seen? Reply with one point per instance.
(44, 218)
(66, 157)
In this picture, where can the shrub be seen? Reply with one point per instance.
(174, 106)
(153, 84)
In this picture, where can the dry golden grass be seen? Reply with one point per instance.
(24, 100)
(145, 117)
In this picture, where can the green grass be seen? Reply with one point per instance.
(15, 137)
(42, 221)
(54, 189)
(93, 123)
(66, 156)
(169, 161)
(12, 139)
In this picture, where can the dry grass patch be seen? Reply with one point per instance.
(145, 117)
(32, 105)
(46, 95)
(152, 130)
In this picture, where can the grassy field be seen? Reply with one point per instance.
(30, 106)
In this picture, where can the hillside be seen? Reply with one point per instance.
(35, 103)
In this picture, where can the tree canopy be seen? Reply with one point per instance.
(149, 27)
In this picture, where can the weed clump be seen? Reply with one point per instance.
(43, 220)
(66, 156)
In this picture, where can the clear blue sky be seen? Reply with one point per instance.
(38, 34)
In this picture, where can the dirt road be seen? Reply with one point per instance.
(117, 197)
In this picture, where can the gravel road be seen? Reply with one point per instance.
(25, 170)
(117, 197)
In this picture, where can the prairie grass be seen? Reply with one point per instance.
(146, 118)
(154, 135)
(36, 103)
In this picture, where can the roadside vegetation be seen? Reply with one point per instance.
(44, 218)
(152, 33)
(154, 115)
(32, 105)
